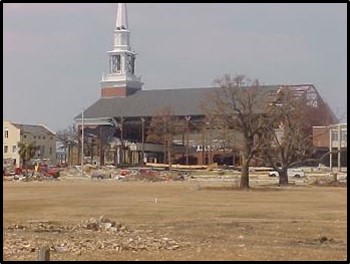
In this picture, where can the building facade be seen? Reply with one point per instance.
(13, 133)
(331, 138)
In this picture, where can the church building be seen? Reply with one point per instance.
(117, 127)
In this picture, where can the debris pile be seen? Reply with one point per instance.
(93, 234)
(329, 182)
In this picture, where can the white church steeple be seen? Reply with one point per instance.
(120, 79)
(122, 16)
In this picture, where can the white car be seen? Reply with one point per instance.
(296, 173)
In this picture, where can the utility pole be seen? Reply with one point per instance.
(209, 124)
(187, 118)
(121, 140)
(143, 140)
(165, 137)
(339, 148)
(330, 148)
(82, 142)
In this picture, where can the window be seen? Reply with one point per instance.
(14, 148)
(344, 136)
(118, 62)
(39, 137)
(50, 151)
(6, 133)
(133, 65)
(42, 150)
(43, 137)
(25, 136)
(334, 135)
(6, 149)
(115, 64)
(34, 137)
(51, 138)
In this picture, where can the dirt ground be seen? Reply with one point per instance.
(173, 220)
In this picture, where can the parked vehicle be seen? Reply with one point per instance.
(49, 171)
(292, 172)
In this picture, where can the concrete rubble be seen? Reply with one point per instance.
(89, 235)
(102, 173)
(258, 176)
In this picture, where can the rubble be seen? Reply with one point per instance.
(329, 182)
(99, 174)
(90, 235)
(320, 241)
(154, 174)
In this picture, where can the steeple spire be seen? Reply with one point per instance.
(122, 16)
(121, 79)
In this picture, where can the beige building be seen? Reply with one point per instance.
(40, 134)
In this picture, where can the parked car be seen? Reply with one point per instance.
(292, 172)
(49, 171)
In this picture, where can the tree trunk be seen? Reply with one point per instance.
(26, 169)
(283, 179)
(102, 156)
(65, 158)
(245, 176)
(69, 154)
(164, 152)
(169, 156)
(92, 153)
(115, 156)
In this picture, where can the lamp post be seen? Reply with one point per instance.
(210, 143)
(121, 141)
(330, 148)
(165, 137)
(143, 139)
(187, 118)
(204, 142)
(339, 148)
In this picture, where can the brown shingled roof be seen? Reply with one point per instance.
(33, 129)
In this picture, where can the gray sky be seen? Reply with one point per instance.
(54, 54)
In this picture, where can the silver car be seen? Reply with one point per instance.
(292, 172)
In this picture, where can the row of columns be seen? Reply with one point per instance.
(187, 119)
(143, 120)
(331, 147)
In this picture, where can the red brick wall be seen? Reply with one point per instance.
(113, 91)
(320, 137)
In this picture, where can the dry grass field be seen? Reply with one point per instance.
(174, 220)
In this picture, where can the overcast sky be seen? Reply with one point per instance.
(54, 54)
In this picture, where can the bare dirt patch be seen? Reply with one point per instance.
(251, 189)
(173, 220)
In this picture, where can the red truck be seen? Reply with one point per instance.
(49, 171)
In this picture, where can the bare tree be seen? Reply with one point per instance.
(236, 105)
(287, 136)
(163, 127)
(90, 144)
(27, 151)
(69, 139)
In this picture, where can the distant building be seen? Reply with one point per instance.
(13, 133)
(332, 137)
(121, 117)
